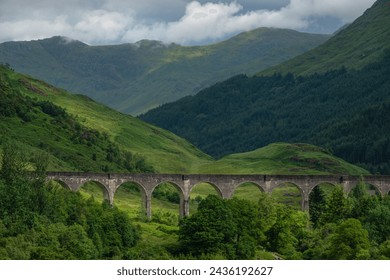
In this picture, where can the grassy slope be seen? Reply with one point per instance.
(166, 152)
(283, 158)
(161, 149)
(136, 77)
(361, 43)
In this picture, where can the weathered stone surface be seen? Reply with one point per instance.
(224, 184)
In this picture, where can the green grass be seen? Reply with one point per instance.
(248, 191)
(361, 43)
(282, 158)
(164, 151)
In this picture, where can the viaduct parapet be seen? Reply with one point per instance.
(225, 185)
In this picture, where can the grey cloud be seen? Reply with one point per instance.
(180, 21)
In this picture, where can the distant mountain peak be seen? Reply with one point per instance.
(62, 40)
(146, 43)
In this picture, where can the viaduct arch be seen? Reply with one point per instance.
(225, 184)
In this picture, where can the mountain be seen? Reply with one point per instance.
(363, 42)
(77, 134)
(337, 109)
(133, 78)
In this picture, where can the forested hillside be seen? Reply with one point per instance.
(133, 78)
(345, 111)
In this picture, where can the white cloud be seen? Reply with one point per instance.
(114, 21)
(101, 25)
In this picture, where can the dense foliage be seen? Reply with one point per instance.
(345, 111)
(354, 227)
(45, 221)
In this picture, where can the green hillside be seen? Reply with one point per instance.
(78, 134)
(283, 158)
(83, 128)
(133, 78)
(332, 110)
(363, 42)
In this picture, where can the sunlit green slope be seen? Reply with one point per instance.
(79, 134)
(362, 42)
(161, 149)
(283, 158)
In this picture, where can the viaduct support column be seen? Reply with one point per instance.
(110, 191)
(185, 201)
(305, 196)
(184, 207)
(305, 203)
(148, 206)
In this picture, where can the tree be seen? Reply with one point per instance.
(247, 233)
(227, 228)
(284, 235)
(317, 205)
(361, 202)
(211, 230)
(378, 222)
(350, 241)
(13, 163)
(337, 207)
(16, 203)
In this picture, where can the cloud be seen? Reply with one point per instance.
(212, 21)
(115, 21)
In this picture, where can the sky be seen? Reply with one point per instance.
(106, 22)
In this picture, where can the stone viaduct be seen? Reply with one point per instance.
(225, 185)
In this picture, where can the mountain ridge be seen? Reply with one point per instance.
(133, 78)
(362, 42)
(244, 113)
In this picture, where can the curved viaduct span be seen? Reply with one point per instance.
(225, 185)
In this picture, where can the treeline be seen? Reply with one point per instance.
(44, 221)
(339, 227)
(48, 127)
(345, 111)
(40, 220)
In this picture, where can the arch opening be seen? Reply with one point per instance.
(248, 191)
(60, 183)
(289, 194)
(199, 192)
(94, 189)
(131, 197)
(364, 187)
(166, 203)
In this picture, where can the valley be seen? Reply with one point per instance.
(335, 96)
(273, 103)
(133, 78)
